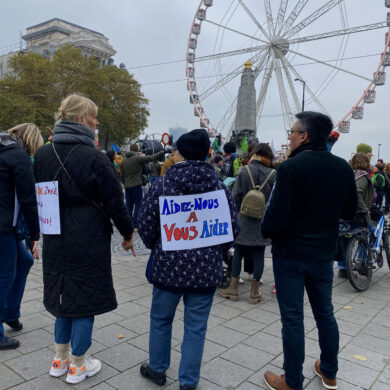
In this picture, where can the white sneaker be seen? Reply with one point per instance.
(240, 281)
(89, 368)
(59, 367)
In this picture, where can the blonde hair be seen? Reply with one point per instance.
(73, 106)
(28, 135)
(387, 168)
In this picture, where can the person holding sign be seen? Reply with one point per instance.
(18, 208)
(189, 220)
(79, 193)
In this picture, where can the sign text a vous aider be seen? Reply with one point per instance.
(195, 221)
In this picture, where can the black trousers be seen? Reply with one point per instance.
(256, 256)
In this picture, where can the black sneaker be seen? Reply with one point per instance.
(187, 387)
(15, 324)
(8, 343)
(342, 274)
(156, 377)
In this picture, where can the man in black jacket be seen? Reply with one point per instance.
(313, 190)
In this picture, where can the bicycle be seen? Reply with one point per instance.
(365, 250)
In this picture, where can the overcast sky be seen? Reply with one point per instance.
(152, 31)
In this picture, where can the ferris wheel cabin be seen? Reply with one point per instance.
(193, 43)
(386, 61)
(358, 113)
(380, 78)
(196, 29)
(191, 58)
(344, 127)
(191, 85)
(209, 3)
(194, 99)
(191, 72)
(370, 97)
(198, 110)
(204, 122)
(387, 3)
(201, 15)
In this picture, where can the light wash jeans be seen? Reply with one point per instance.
(196, 313)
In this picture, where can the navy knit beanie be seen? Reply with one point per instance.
(194, 145)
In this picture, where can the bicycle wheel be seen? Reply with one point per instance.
(386, 245)
(359, 270)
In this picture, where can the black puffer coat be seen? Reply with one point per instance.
(77, 264)
(16, 174)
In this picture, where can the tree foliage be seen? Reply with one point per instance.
(32, 92)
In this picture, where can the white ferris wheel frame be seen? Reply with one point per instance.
(275, 56)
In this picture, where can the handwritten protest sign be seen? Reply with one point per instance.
(195, 221)
(48, 207)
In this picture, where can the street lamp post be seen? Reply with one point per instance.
(379, 150)
(304, 89)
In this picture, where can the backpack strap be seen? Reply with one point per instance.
(266, 180)
(250, 176)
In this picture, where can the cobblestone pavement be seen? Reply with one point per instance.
(243, 340)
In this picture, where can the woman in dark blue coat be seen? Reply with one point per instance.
(191, 273)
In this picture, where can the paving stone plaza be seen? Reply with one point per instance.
(243, 340)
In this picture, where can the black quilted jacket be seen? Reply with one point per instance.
(16, 174)
(77, 264)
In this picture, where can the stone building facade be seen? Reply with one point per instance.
(45, 38)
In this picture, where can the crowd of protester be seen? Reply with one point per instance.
(124, 188)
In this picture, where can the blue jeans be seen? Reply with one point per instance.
(133, 202)
(15, 264)
(78, 331)
(291, 278)
(196, 313)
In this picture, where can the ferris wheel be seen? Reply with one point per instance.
(329, 50)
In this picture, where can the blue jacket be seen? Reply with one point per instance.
(196, 270)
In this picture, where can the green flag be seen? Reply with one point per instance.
(244, 145)
(215, 145)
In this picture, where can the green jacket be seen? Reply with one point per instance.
(131, 168)
(365, 195)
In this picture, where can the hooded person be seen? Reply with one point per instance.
(191, 271)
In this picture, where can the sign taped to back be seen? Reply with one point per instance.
(195, 221)
(48, 207)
